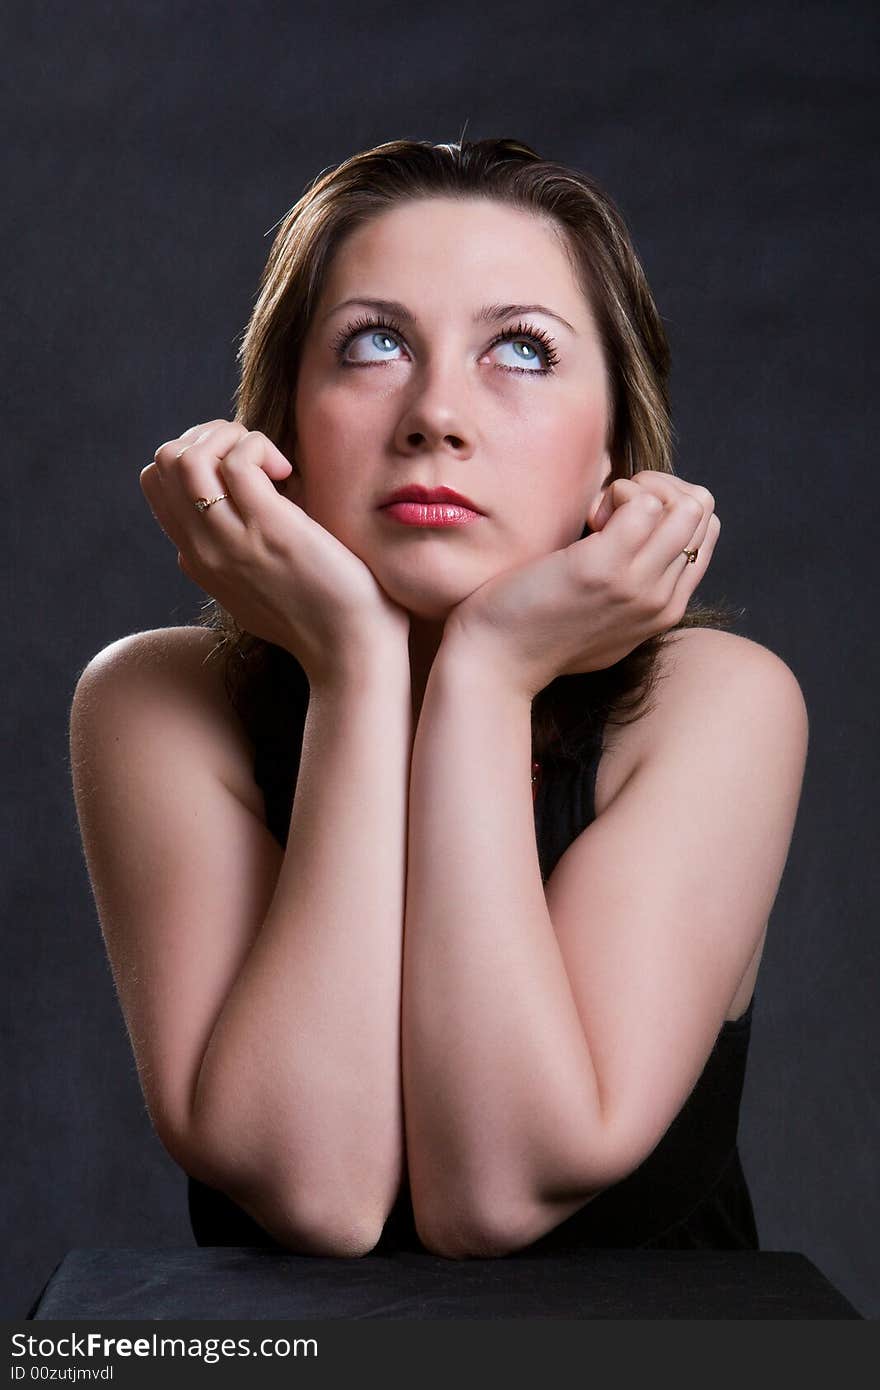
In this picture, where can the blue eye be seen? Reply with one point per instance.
(380, 337)
(377, 339)
(524, 352)
(380, 340)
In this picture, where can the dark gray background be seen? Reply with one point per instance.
(151, 149)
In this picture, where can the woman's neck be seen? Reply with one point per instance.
(424, 642)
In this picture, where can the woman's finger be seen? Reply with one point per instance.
(151, 486)
(688, 509)
(172, 448)
(672, 490)
(622, 539)
(691, 574)
(615, 494)
(249, 471)
(189, 469)
(185, 469)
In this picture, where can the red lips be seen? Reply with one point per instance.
(414, 492)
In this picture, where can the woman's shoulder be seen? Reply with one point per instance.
(697, 666)
(187, 656)
(183, 668)
(710, 648)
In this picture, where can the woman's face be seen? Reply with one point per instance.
(429, 392)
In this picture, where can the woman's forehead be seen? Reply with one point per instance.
(456, 248)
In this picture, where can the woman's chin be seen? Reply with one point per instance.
(423, 603)
(428, 610)
(424, 594)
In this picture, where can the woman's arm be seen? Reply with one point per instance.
(304, 1060)
(549, 1042)
(261, 991)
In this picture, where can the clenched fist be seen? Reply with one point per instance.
(281, 575)
(587, 606)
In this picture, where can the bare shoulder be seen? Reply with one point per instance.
(703, 673)
(182, 666)
(702, 659)
(721, 749)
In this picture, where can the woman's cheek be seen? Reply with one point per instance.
(331, 438)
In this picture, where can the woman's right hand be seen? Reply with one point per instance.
(281, 575)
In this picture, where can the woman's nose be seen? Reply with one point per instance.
(437, 414)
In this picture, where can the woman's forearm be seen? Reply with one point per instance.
(300, 1083)
(500, 1094)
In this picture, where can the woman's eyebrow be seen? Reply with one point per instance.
(490, 313)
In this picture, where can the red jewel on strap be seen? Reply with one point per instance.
(536, 778)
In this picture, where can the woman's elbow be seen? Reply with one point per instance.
(304, 1222)
(309, 1224)
(334, 1232)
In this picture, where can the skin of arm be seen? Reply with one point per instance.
(533, 1077)
(303, 1064)
(500, 1090)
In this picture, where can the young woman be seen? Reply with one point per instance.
(435, 891)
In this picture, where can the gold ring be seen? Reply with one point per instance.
(203, 503)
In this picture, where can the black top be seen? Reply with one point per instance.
(689, 1193)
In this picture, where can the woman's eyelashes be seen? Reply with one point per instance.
(376, 339)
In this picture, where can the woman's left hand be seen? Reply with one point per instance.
(587, 606)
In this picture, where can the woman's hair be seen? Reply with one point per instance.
(567, 713)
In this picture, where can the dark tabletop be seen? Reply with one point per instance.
(234, 1282)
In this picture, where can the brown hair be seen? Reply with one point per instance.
(567, 713)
